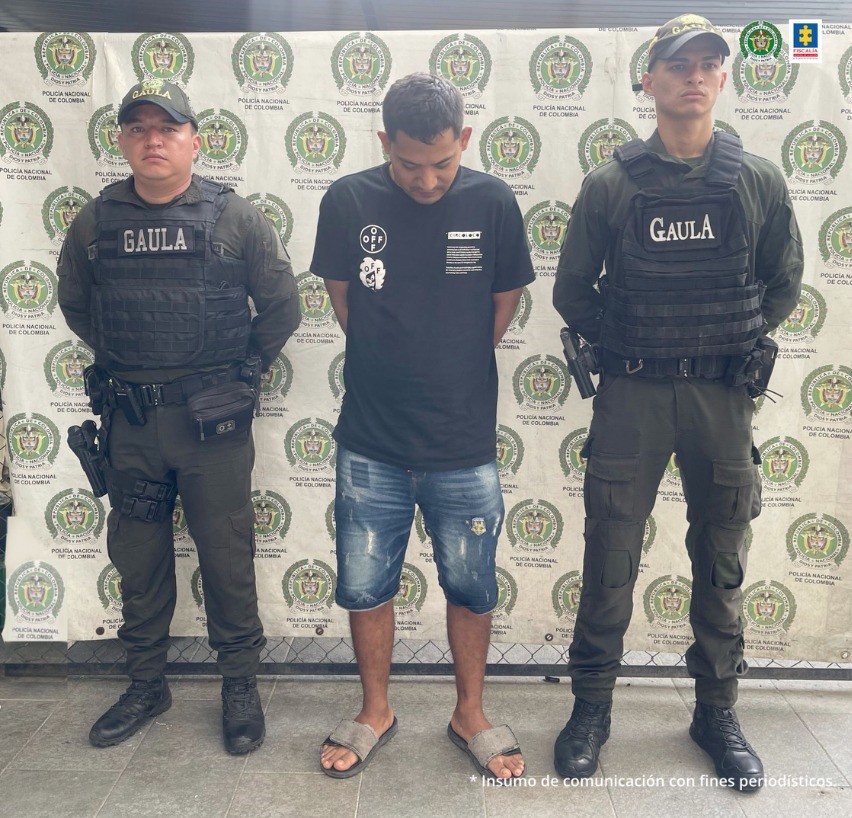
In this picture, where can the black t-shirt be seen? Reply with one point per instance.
(420, 372)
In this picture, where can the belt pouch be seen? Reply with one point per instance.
(221, 410)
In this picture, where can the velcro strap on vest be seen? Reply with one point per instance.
(709, 367)
(140, 499)
(726, 160)
(157, 394)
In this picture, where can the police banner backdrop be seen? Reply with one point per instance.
(283, 115)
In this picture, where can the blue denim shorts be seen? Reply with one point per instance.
(374, 509)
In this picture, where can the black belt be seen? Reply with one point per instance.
(710, 367)
(157, 394)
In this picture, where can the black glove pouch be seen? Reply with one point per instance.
(221, 410)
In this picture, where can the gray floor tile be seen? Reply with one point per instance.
(787, 802)
(281, 795)
(19, 720)
(832, 730)
(829, 697)
(35, 794)
(34, 687)
(548, 796)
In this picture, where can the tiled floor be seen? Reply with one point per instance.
(176, 766)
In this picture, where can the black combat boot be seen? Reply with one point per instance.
(141, 701)
(716, 730)
(242, 716)
(578, 746)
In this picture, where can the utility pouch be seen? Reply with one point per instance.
(221, 410)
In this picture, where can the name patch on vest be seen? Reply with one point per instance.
(167, 239)
(682, 227)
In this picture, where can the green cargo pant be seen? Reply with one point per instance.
(214, 482)
(636, 425)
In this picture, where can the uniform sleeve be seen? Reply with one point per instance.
(329, 259)
(513, 267)
(74, 271)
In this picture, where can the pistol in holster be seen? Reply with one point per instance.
(250, 373)
(83, 441)
(582, 361)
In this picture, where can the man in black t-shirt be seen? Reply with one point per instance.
(424, 261)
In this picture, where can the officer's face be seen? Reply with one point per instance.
(425, 171)
(158, 149)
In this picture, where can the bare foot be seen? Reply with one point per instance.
(342, 758)
(467, 725)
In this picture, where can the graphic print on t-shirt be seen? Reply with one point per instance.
(463, 252)
(372, 272)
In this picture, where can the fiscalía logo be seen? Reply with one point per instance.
(308, 586)
(769, 607)
(60, 208)
(507, 594)
(315, 142)
(806, 40)
(28, 290)
(180, 525)
(164, 56)
(827, 393)
(314, 301)
(817, 541)
(103, 136)
(74, 516)
(534, 525)
(784, 463)
(411, 593)
(509, 147)
(33, 440)
(275, 383)
(109, 589)
(196, 583)
(813, 151)
(65, 57)
(638, 67)
(510, 451)
(276, 211)
(541, 382)
(835, 239)
(571, 454)
(224, 140)
(566, 595)
(805, 321)
(310, 445)
(560, 68)
(522, 312)
(766, 80)
(272, 516)
(64, 366)
(465, 61)
(26, 133)
(335, 375)
(35, 591)
(844, 71)
(760, 40)
(667, 600)
(361, 64)
(545, 224)
(598, 143)
(262, 62)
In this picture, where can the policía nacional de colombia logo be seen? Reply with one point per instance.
(310, 445)
(522, 312)
(335, 375)
(507, 594)
(765, 80)
(411, 593)
(361, 64)
(827, 393)
(275, 383)
(224, 139)
(109, 588)
(315, 142)
(784, 463)
(28, 290)
(817, 541)
(571, 454)
(649, 534)
(465, 61)
(26, 133)
(768, 607)
(180, 525)
(35, 591)
(760, 40)
(272, 516)
(196, 585)
(308, 586)
(806, 319)
(545, 224)
(314, 301)
(598, 142)
(64, 366)
(277, 211)
(262, 62)
(667, 600)
(74, 516)
(65, 57)
(844, 73)
(534, 525)
(565, 595)
(2, 370)
(560, 68)
(60, 208)
(835, 239)
(510, 451)
(330, 522)
(510, 148)
(813, 151)
(164, 56)
(103, 136)
(638, 67)
(541, 382)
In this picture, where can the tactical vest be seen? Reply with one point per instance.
(165, 295)
(682, 284)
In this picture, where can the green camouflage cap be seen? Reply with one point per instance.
(166, 95)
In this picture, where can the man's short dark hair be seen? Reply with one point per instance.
(423, 106)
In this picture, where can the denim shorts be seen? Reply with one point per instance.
(374, 508)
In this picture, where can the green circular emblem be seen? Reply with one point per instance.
(411, 594)
(598, 143)
(545, 224)
(361, 64)
(65, 57)
(35, 591)
(33, 440)
(164, 56)
(330, 523)
(507, 594)
(2, 370)
(224, 140)
(768, 607)
(510, 148)
(28, 290)
(60, 208)
(541, 382)
(835, 239)
(807, 317)
(510, 451)
(275, 383)
(464, 60)
(315, 143)
(310, 445)
(26, 133)
(571, 454)
(649, 534)
(534, 525)
(522, 312)
(638, 67)
(103, 136)
(721, 125)
(817, 541)
(314, 302)
(420, 527)
(667, 601)
(272, 516)
(196, 583)
(760, 40)
(764, 81)
(560, 68)
(827, 393)
(276, 211)
(64, 366)
(813, 151)
(262, 62)
(671, 476)
(180, 526)
(566, 595)
(844, 73)
(335, 375)
(74, 516)
(308, 586)
(784, 463)
(109, 589)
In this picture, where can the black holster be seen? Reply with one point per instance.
(83, 441)
(754, 369)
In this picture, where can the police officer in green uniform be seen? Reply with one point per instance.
(702, 258)
(155, 274)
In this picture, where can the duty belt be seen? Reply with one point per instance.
(709, 367)
(157, 394)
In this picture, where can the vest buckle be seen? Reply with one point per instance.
(635, 369)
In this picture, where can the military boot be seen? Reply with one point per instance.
(578, 746)
(242, 715)
(140, 702)
(717, 731)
